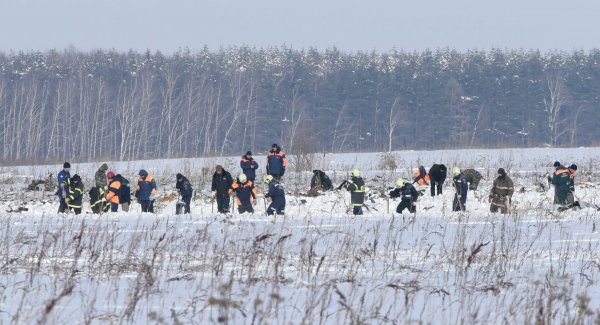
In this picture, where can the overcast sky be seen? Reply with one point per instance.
(350, 25)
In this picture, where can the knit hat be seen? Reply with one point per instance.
(501, 172)
(274, 145)
(143, 173)
(248, 153)
(76, 178)
(66, 165)
(573, 167)
(179, 176)
(556, 163)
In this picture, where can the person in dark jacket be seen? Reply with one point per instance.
(125, 193)
(114, 190)
(473, 178)
(320, 182)
(249, 166)
(501, 193)
(62, 191)
(276, 162)
(221, 183)
(184, 187)
(561, 180)
(461, 186)
(356, 186)
(74, 199)
(276, 195)
(245, 193)
(408, 196)
(146, 191)
(437, 176)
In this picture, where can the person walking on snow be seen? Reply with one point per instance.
(461, 187)
(437, 175)
(356, 186)
(146, 191)
(501, 193)
(245, 194)
(63, 189)
(408, 196)
(221, 183)
(249, 166)
(184, 187)
(275, 195)
(276, 162)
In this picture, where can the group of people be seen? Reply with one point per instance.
(108, 193)
(462, 181)
(112, 190)
(243, 189)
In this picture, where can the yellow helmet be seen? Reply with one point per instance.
(242, 178)
(400, 182)
(355, 172)
(455, 170)
(268, 179)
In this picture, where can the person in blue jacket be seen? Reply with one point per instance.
(125, 193)
(276, 195)
(276, 162)
(63, 189)
(146, 191)
(249, 166)
(184, 187)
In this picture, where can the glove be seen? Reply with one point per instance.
(254, 202)
(269, 199)
(67, 200)
(414, 204)
(282, 172)
(103, 199)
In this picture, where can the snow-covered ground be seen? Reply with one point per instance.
(315, 265)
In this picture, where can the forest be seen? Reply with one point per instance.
(88, 106)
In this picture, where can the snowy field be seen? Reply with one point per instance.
(316, 265)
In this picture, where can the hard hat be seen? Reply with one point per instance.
(400, 182)
(455, 170)
(242, 178)
(355, 172)
(268, 179)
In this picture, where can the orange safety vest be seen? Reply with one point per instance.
(236, 185)
(112, 193)
(422, 180)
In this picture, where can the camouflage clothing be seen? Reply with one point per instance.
(100, 176)
(473, 178)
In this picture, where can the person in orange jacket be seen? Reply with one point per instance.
(276, 162)
(421, 177)
(245, 193)
(114, 191)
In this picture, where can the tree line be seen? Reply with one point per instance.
(103, 104)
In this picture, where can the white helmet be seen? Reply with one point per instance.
(400, 182)
(455, 171)
(355, 172)
(268, 179)
(242, 178)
